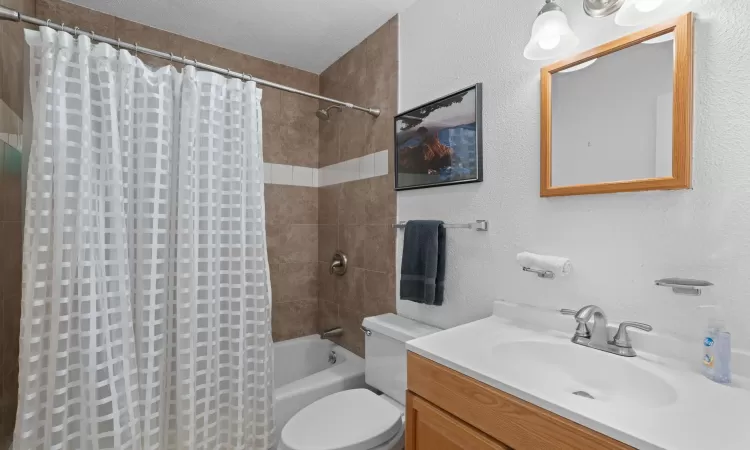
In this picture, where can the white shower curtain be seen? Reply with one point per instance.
(146, 300)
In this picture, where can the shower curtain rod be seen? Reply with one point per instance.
(15, 16)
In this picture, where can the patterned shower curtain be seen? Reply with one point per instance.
(146, 296)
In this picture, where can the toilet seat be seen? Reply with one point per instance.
(356, 419)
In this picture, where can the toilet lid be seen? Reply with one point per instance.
(356, 419)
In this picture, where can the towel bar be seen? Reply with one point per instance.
(479, 225)
(684, 286)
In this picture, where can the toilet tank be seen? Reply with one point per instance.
(385, 352)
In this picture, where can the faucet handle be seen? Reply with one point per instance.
(583, 329)
(622, 338)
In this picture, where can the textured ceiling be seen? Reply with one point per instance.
(307, 34)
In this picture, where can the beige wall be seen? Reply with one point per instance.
(356, 217)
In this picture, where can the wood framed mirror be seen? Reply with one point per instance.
(619, 117)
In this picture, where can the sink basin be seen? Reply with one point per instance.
(592, 375)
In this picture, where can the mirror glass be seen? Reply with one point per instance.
(612, 116)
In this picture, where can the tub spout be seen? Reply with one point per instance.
(333, 332)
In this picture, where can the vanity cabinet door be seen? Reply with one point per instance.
(430, 428)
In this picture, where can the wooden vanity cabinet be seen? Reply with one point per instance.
(446, 410)
(431, 428)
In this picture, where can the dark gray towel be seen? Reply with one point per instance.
(423, 262)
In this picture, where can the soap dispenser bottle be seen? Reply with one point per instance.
(717, 347)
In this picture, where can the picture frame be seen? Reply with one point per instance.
(439, 143)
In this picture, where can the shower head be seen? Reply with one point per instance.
(324, 114)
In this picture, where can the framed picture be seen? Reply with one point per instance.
(440, 143)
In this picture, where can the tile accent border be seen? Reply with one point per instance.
(362, 168)
(14, 140)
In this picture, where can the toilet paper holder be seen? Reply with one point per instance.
(541, 273)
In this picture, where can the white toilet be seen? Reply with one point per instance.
(359, 419)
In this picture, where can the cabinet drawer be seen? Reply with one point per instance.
(508, 419)
(430, 428)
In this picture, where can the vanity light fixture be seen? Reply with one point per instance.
(601, 8)
(551, 35)
(646, 12)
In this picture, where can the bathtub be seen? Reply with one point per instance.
(303, 374)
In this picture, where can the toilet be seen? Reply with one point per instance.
(359, 419)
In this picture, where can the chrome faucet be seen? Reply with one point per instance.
(597, 336)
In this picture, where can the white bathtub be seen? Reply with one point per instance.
(302, 374)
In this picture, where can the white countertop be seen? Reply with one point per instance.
(702, 415)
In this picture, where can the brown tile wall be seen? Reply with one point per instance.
(11, 236)
(292, 233)
(11, 56)
(356, 217)
(11, 215)
(290, 128)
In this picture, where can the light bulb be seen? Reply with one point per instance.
(646, 6)
(548, 41)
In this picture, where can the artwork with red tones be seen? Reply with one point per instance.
(440, 143)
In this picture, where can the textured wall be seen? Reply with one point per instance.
(619, 243)
(355, 217)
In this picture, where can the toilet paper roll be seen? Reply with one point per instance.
(558, 265)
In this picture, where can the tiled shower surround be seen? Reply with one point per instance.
(356, 216)
(305, 223)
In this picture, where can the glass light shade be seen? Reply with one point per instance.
(648, 12)
(551, 37)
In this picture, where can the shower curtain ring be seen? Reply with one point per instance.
(76, 32)
(118, 44)
(136, 49)
(62, 26)
(48, 21)
(171, 57)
